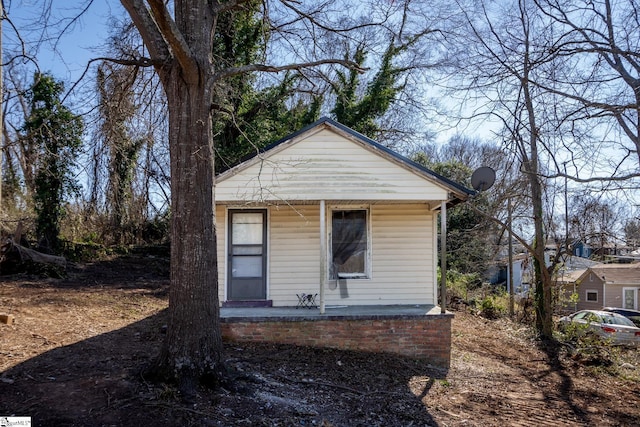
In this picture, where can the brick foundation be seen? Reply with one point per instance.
(427, 337)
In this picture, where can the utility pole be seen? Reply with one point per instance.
(510, 260)
(566, 214)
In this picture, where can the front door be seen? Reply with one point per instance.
(630, 296)
(247, 255)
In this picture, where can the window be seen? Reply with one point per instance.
(592, 296)
(580, 315)
(592, 318)
(349, 257)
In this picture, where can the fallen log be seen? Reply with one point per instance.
(15, 258)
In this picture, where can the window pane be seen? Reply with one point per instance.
(592, 296)
(349, 243)
(247, 228)
(247, 266)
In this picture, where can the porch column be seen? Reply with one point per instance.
(323, 253)
(443, 257)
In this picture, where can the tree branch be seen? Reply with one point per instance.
(174, 38)
(140, 62)
(23, 47)
(289, 4)
(595, 178)
(232, 71)
(149, 30)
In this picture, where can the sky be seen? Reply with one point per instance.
(66, 57)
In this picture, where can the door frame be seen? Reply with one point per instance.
(229, 243)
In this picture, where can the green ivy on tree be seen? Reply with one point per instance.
(247, 118)
(360, 112)
(56, 133)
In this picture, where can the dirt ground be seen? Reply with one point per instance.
(74, 356)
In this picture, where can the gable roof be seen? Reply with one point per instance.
(570, 276)
(459, 191)
(616, 274)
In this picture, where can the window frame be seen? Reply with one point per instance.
(366, 275)
(591, 291)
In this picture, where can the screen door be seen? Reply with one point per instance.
(247, 255)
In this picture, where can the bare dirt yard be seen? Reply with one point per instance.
(75, 354)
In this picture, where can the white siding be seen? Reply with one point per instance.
(402, 247)
(325, 165)
(294, 251)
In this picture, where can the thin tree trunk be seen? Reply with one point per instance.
(542, 278)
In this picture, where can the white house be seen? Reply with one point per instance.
(328, 211)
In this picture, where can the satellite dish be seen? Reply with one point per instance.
(483, 178)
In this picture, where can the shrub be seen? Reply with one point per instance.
(459, 286)
(587, 347)
(493, 306)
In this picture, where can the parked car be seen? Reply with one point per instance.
(610, 326)
(633, 315)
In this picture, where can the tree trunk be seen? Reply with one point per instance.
(182, 50)
(192, 351)
(542, 278)
(15, 258)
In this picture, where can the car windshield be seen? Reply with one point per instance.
(617, 320)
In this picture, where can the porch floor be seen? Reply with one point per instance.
(342, 312)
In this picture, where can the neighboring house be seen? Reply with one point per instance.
(582, 249)
(575, 263)
(567, 281)
(607, 285)
(500, 274)
(599, 251)
(566, 275)
(328, 208)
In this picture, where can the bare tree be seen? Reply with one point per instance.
(595, 75)
(473, 239)
(506, 50)
(127, 144)
(116, 109)
(594, 220)
(632, 232)
(183, 53)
